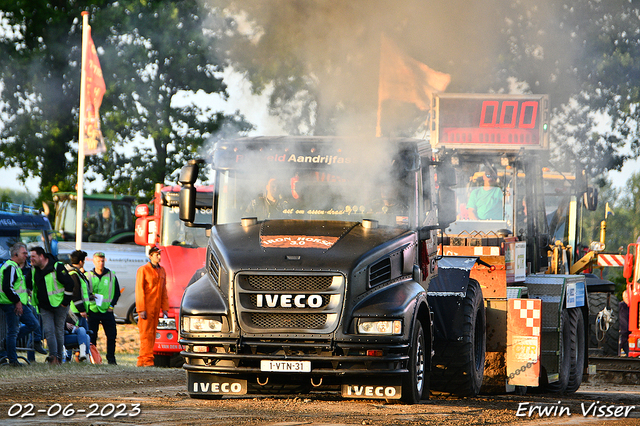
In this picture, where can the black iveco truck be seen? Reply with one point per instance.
(318, 264)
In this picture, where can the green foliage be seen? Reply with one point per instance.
(615, 276)
(623, 226)
(16, 197)
(149, 52)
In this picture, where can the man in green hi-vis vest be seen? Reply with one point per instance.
(106, 292)
(14, 302)
(52, 293)
(82, 291)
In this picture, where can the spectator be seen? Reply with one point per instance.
(14, 303)
(30, 319)
(486, 202)
(623, 322)
(76, 335)
(151, 298)
(107, 292)
(82, 293)
(52, 293)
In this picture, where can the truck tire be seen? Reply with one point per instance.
(609, 339)
(163, 361)
(458, 367)
(577, 350)
(567, 341)
(415, 382)
(176, 361)
(133, 315)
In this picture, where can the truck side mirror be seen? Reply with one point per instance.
(142, 210)
(447, 176)
(189, 173)
(187, 203)
(446, 206)
(145, 231)
(591, 199)
(187, 200)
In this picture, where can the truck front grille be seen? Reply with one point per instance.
(289, 321)
(214, 266)
(288, 303)
(288, 282)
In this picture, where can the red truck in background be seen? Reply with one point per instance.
(183, 253)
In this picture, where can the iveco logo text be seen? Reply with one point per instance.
(217, 387)
(374, 391)
(288, 301)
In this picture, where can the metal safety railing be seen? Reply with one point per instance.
(19, 208)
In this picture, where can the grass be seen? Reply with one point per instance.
(126, 362)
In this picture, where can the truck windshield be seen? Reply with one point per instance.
(31, 237)
(310, 194)
(102, 219)
(484, 195)
(491, 197)
(558, 197)
(174, 233)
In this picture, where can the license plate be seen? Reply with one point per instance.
(286, 366)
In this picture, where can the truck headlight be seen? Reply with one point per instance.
(166, 324)
(201, 324)
(392, 327)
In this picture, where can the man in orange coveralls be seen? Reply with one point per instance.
(151, 297)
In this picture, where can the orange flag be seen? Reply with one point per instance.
(94, 91)
(404, 79)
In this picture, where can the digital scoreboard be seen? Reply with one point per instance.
(505, 122)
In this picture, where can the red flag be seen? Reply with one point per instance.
(404, 79)
(94, 91)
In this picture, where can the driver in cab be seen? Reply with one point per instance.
(485, 202)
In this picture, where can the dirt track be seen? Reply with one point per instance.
(162, 398)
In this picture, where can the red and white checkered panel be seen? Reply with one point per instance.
(528, 312)
(523, 341)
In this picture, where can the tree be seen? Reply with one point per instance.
(17, 197)
(149, 53)
(154, 51)
(321, 58)
(38, 91)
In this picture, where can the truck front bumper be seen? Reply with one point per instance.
(233, 358)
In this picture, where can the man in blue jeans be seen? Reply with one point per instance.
(106, 290)
(14, 303)
(52, 293)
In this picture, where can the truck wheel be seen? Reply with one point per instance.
(133, 316)
(609, 339)
(459, 367)
(415, 382)
(567, 341)
(577, 350)
(161, 361)
(176, 361)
